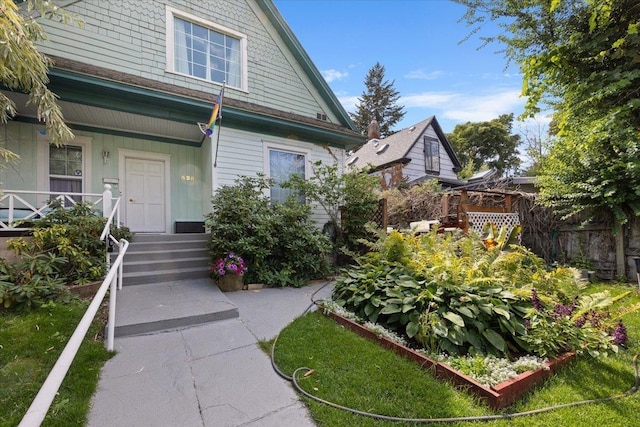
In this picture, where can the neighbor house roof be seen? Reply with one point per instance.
(393, 149)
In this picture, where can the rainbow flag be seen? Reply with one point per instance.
(215, 114)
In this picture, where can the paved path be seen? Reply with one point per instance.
(212, 374)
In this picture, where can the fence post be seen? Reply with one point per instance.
(107, 201)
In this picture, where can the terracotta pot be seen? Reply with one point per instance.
(230, 283)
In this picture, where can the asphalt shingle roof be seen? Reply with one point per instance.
(399, 144)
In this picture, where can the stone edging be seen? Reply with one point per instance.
(497, 397)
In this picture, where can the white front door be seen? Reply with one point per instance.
(145, 195)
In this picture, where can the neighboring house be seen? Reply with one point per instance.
(136, 79)
(412, 155)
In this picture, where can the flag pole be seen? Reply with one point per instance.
(215, 159)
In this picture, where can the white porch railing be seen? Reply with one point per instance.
(17, 206)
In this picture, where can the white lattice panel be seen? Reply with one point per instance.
(477, 220)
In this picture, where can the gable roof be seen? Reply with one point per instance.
(381, 153)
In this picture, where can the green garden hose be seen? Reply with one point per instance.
(294, 380)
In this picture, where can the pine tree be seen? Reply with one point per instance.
(378, 101)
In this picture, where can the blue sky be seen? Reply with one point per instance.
(418, 42)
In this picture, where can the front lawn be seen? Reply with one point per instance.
(352, 371)
(30, 344)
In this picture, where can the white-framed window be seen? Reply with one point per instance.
(58, 170)
(66, 170)
(431, 154)
(282, 163)
(205, 50)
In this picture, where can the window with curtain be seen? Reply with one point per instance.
(431, 154)
(66, 170)
(282, 165)
(206, 53)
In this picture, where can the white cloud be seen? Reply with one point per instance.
(463, 107)
(349, 102)
(423, 75)
(428, 99)
(331, 75)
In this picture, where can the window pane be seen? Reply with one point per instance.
(66, 185)
(200, 71)
(65, 160)
(282, 165)
(217, 38)
(199, 32)
(205, 53)
(57, 167)
(431, 155)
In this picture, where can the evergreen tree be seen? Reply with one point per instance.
(378, 101)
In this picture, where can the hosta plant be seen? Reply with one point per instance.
(454, 294)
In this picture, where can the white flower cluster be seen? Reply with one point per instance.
(330, 305)
(380, 331)
(491, 370)
(383, 332)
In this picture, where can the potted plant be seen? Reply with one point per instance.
(228, 272)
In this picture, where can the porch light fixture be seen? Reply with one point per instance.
(105, 156)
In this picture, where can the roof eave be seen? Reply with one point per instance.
(76, 87)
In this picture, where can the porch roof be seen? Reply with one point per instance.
(98, 99)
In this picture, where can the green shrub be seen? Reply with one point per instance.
(31, 281)
(279, 242)
(349, 199)
(72, 234)
(65, 248)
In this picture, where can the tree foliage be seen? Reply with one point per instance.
(487, 143)
(349, 199)
(378, 101)
(582, 58)
(24, 68)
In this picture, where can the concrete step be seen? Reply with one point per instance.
(143, 238)
(166, 245)
(134, 256)
(153, 308)
(164, 275)
(153, 265)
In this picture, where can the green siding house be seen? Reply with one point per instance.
(138, 77)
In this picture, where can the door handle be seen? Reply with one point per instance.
(131, 200)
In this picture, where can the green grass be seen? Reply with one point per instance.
(30, 344)
(354, 372)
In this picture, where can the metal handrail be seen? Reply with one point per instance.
(42, 402)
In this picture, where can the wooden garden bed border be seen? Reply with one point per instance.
(497, 397)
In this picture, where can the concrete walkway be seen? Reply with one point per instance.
(208, 371)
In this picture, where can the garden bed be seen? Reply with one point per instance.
(499, 396)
